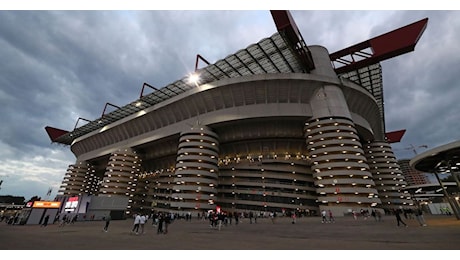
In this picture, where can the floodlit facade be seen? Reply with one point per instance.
(259, 131)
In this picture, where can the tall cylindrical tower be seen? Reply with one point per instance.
(121, 173)
(340, 170)
(74, 182)
(387, 174)
(196, 170)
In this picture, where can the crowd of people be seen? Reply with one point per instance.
(218, 218)
(159, 219)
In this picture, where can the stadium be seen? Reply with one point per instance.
(278, 126)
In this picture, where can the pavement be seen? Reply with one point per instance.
(308, 233)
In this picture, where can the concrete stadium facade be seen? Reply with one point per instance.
(278, 126)
(256, 142)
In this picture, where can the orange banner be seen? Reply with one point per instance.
(46, 204)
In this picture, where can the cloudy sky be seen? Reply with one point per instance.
(58, 66)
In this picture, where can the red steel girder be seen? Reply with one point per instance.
(383, 47)
(395, 136)
(287, 27)
(55, 133)
(105, 108)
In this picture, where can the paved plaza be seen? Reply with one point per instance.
(308, 233)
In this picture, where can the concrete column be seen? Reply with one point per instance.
(195, 179)
(387, 175)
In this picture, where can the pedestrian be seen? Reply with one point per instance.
(398, 218)
(63, 221)
(137, 220)
(355, 215)
(107, 219)
(74, 219)
(220, 219)
(167, 220)
(379, 215)
(45, 221)
(56, 218)
(160, 223)
(374, 214)
(294, 217)
(420, 218)
(331, 217)
(142, 220)
(230, 216)
(323, 216)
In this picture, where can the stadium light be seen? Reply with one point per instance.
(194, 78)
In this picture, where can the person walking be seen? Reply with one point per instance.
(331, 217)
(137, 221)
(419, 217)
(142, 221)
(63, 221)
(160, 223)
(273, 216)
(355, 215)
(398, 218)
(379, 215)
(374, 214)
(107, 219)
(167, 220)
(45, 221)
(323, 216)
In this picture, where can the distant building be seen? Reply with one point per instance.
(15, 200)
(11, 205)
(411, 175)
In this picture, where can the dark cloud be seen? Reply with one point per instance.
(420, 87)
(58, 66)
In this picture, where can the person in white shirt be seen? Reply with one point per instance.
(142, 221)
(323, 215)
(137, 221)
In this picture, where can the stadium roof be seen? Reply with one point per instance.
(270, 55)
(283, 52)
(442, 158)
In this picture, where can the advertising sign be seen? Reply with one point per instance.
(71, 204)
(46, 204)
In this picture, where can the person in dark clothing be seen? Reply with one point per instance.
(235, 215)
(419, 216)
(167, 221)
(398, 218)
(107, 219)
(160, 223)
(45, 221)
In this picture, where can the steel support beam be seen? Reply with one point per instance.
(383, 47)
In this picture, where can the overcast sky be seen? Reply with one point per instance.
(58, 66)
